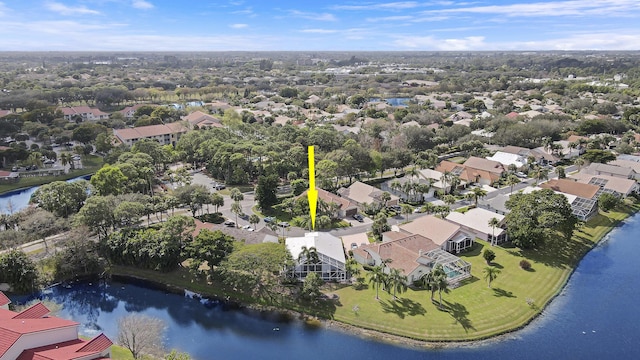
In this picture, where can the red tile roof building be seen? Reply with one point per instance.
(34, 335)
(165, 134)
(85, 112)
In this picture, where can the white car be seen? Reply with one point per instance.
(247, 227)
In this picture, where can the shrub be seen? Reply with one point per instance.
(525, 265)
(488, 255)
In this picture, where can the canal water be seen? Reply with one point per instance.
(17, 200)
(595, 316)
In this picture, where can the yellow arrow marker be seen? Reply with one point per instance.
(312, 194)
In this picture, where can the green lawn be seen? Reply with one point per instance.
(473, 310)
(91, 164)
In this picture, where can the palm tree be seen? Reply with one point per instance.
(478, 192)
(446, 175)
(395, 185)
(376, 276)
(493, 222)
(428, 280)
(309, 255)
(490, 274)
(449, 200)
(579, 162)
(254, 220)
(541, 174)
(512, 180)
(236, 208)
(441, 282)
(406, 210)
(397, 282)
(352, 267)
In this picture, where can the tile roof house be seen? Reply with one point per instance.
(447, 235)
(4, 301)
(33, 335)
(542, 157)
(360, 194)
(611, 170)
(615, 185)
(414, 255)
(345, 207)
(582, 197)
(332, 260)
(200, 119)
(474, 170)
(476, 222)
(130, 111)
(165, 134)
(626, 163)
(84, 112)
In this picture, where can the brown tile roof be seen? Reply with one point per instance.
(403, 252)
(484, 165)
(362, 193)
(331, 198)
(573, 138)
(149, 131)
(434, 228)
(572, 187)
(99, 343)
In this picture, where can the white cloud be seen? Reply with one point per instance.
(547, 9)
(70, 10)
(319, 31)
(142, 4)
(390, 18)
(312, 16)
(238, 26)
(401, 5)
(3, 9)
(432, 43)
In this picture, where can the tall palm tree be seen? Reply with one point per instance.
(541, 174)
(478, 192)
(511, 181)
(352, 267)
(490, 273)
(236, 208)
(493, 222)
(397, 282)
(428, 281)
(377, 277)
(579, 162)
(446, 175)
(441, 282)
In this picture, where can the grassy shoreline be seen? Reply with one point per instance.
(471, 313)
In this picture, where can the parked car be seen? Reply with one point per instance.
(269, 219)
(358, 217)
(521, 175)
(395, 208)
(229, 223)
(218, 186)
(247, 227)
(243, 216)
(283, 224)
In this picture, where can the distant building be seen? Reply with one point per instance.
(84, 112)
(168, 134)
(362, 194)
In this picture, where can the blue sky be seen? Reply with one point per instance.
(271, 25)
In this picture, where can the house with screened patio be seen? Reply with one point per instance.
(414, 255)
(330, 262)
(447, 235)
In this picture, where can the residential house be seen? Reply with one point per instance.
(405, 188)
(474, 170)
(540, 155)
(476, 222)
(414, 255)
(83, 112)
(33, 334)
(611, 170)
(165, 134)
(130, 111)
(434, 178)
(202, 120)
(585, 204)
(447, 235)
(507, 159)
(344, 208)
(353, 241)
(331, 265)
(627, 162)
(363, 195)
(609, 184)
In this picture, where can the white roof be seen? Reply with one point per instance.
(507, 159)
(570, 197)
(325, 244)
(477, 219)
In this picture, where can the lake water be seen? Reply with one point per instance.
(19, 199)
(596, 316)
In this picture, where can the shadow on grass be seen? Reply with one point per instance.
(469, 280)
(403, 307)
(496, 265)
(502, 293)
(459, 313)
